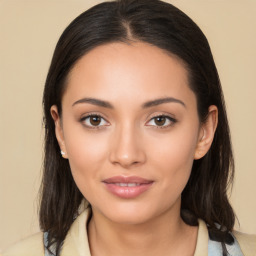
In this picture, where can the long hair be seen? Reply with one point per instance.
(162, 25)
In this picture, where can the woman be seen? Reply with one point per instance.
(138, 154)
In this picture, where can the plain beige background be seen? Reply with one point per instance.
(29, 31)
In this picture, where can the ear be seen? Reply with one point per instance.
(206, 133)
(58, 130)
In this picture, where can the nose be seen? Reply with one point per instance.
(127, 149)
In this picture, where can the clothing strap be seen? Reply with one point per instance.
(52, 248)
(215, 248)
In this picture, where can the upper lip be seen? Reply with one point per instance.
(127, 179)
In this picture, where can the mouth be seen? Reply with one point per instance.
(127, 184)
(127, 187)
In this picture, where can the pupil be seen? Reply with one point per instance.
(95, 120)
(160, 120)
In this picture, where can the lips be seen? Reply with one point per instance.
(127, 187)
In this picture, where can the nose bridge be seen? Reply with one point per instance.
(127, 147)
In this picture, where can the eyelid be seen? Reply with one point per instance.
(88, 115)
(167, 116)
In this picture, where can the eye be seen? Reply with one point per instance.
(94, 121)
(161, 121)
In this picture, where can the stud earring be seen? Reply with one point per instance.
(62, 153)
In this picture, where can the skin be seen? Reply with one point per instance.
(130, 142)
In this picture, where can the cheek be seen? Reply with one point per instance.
(173, 156)
(86, 149)
(87, 153)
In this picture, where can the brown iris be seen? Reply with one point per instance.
(95, 120)
(160, 120)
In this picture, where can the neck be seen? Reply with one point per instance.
(166, 234)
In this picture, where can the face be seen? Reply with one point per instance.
(130, 130)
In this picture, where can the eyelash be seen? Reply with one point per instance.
(169, 118)
(83, 119)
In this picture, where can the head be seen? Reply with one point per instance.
(123, 31)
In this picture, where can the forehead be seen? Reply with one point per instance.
(137, 70)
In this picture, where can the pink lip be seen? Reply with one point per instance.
(113, 185)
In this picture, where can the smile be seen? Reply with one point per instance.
(127, 184)
(127, 187)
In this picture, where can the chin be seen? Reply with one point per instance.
(128, 219)
(128, 213)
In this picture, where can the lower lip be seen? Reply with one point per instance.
(128, 192)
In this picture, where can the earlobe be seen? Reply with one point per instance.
(207, 132)
(58, 130)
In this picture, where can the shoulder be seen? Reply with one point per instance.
(31, 246)
(247, 242)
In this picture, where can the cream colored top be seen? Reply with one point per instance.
(76, 242)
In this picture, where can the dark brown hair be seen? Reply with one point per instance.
(162, 25)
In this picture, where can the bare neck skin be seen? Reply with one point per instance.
(166, 234)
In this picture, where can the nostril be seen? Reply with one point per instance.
(127, 161)
(126, 149)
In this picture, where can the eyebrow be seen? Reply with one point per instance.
(147, 104)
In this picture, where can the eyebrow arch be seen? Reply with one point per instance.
(147, 104)
(94, 101)
(161, 101)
